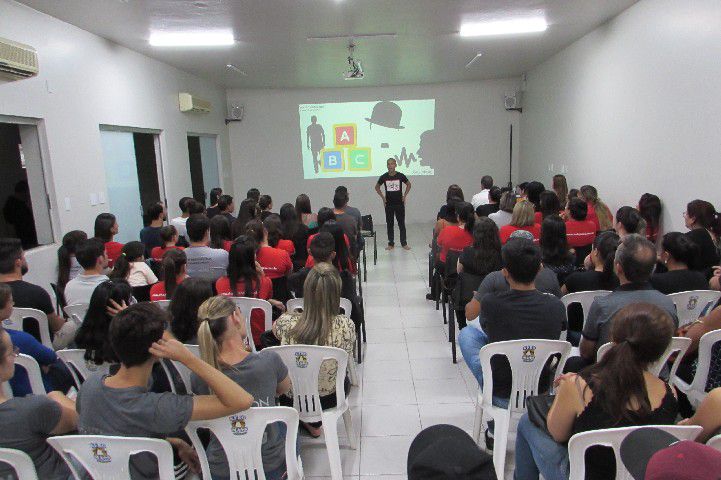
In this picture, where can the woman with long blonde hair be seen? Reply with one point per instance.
(523, 219)
(222, 338)
(320, 324)
(598, 212)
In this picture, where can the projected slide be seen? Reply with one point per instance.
(355, 139)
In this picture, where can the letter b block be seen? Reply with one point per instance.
(332, 161)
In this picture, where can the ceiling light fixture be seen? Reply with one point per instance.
(212, 38)
(504, 27)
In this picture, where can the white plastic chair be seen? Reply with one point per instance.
(678, 344)
(585, 299)
(715, 442)
(108, 457)
(304, 362)
(164, 304)
(35, 378)
(241, 436)
(692, 304)
(76, 312)
(613, 437)
(246, 306)
(21, 462)
(696, 390)
(15, 322)
(527, 359)
(80, 368)
(182, 370)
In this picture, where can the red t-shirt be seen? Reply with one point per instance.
(592, 217)
(227, 244)
(453, 238)
(507, 230)
(345, 237)
(257, 317)
(286, 245)
(580, 233)
(113, 249)
(157, 291)
(157, 252)
(276, 263)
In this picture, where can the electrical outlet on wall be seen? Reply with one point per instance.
(101, 198)
(93, 199)
(67, 204)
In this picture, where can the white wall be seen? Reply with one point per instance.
(86, 81)
(265, 146)
(632, 107)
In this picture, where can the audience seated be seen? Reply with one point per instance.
(560, 187)
(173, 270)
(122, 405)
(263, 375)
(548, 205)
(226, 207)
(580, 232)
(213, 210)
(179, 222)
(601, 276)
(634, 261)
(68, 266)
(203, 261)
(598, 212)
(108, 299)
(106, 227)
(649, 206)
(353, 212)
(348, 223)
(533, 192)
(92, 257)
(704, 224)
(618, 391)
(481, 198)
(276, 263)
(483, 256)
(248, 211)
(295, 231)
(319, 324)
(448, 214)
(454, 194)
(220, 233)
(629, 220)
(253, 194)
(554, 247)
(305, 212)
(265, 203)
(28, 421)
(343, 259)
(274, 226)
(678, 252)
(184, 304)
(150, 235)
(131, 266)
(169, 236)
(457, 237)
(512, 305)
(494, 198)
(504, 215)
(522, 219)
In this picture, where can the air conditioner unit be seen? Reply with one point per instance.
(513, 101)
(17, 60)
(189, 103)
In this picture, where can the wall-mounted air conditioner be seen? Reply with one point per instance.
(17, 61)
(189, 103)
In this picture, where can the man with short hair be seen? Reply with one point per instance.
(253, 194)
(346, 221)
(150, 235)
(493, 205)
(634, 263)
(179, 222)
(481, 198)
(226, 207)
(203, 261)
(91, 255)
(394, 201)
(215, 194)
(353, 212)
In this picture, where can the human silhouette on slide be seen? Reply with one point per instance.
(315, 137)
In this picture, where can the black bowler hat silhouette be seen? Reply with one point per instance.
(386, 114)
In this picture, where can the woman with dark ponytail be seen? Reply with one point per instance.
(601, 276)
(628, 221)
(131, 266)
(704, 223)
(457, 237)
(650, 208)
(678, 252)
(173, 273)
(618, 391)
(68, 266)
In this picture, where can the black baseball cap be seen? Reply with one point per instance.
(445, 452)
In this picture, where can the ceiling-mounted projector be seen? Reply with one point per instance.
(355, 70)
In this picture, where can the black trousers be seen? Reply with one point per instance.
(400, 213)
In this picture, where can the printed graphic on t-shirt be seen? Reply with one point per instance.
(393, 185)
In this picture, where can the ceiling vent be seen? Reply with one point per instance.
(17, 61)
(190, 103)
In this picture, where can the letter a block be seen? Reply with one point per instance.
(345, 135)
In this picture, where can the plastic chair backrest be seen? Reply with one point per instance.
(241, 436)
(690, 305)
(21, 462)
(15, 322)
(246, 306)
(677, 344)
(108, 457)
(304, 362)
(613, 437)
(76, 312)
(35, 377)
(183, 371)
(367, 223)
(164, 304)
(527, 358)
(585, 299)
(714, 442)
(708, 340)
(80, 368)
(296, 305)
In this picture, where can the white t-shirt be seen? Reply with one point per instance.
(179, 224)
(501, 218)
(81, 288)
(480, 198)
(141, 275)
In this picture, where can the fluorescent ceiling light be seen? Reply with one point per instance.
(211, 38)
(504, 27)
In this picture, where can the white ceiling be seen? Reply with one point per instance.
(272, 46)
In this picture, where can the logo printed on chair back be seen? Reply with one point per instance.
(529, 353)
(301, 359)
(692, 303)
(100, 452)
(237, 425)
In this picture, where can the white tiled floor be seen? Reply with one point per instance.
(408, 381)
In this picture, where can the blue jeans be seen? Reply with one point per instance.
(470, 341)
(537, 452)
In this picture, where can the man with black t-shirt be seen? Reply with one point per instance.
(394, 201)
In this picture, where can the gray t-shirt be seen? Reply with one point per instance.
(26, 424)
(259, 374)
(206, 262)
(132, 412)
(350, 227)
(81, 288)
(598, 323)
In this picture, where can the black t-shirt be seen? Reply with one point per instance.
(394, 192)
(150, 236)
(28, 295)
(587, 281)
(210, 212)
(679, 281)
(514, 315)
(468, 260)
(487, 209)
(708, 255)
